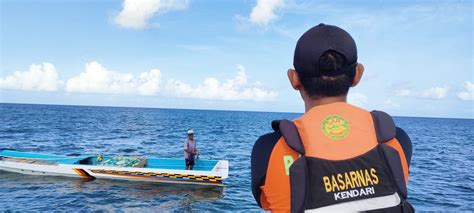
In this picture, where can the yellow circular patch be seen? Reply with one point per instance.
(335, 127)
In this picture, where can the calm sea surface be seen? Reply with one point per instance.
(441, 171)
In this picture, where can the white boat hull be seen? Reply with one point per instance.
(214, 177)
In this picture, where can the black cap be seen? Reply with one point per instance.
(319, 39)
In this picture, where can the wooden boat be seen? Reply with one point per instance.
(205, 172)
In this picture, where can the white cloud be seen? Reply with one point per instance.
(235, 89)
(467, 94)
(437, 92)
(391, 104)
(407, 17)
(262, 14)
(97, 79)
(136, 13)
(404, 92)
(39, 77)
(358, 99)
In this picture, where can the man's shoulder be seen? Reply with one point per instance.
(263, 148)
(261, 152)
(266, 142)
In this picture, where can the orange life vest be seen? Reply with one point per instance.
(336, 157)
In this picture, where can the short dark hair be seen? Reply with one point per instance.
(328, 86)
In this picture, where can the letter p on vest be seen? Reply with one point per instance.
(288, 160)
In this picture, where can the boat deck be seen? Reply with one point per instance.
(153, 163)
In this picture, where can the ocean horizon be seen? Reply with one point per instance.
(206, 109)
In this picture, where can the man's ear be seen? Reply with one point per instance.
(294, 79)
(358, 74)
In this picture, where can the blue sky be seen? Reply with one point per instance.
(232, 55)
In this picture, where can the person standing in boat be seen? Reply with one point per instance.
(190, 150)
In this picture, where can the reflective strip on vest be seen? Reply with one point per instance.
(362, 205)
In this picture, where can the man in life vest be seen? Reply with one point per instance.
(336, 156)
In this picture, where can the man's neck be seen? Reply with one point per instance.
(310, 103)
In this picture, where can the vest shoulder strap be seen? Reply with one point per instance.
(290, 134)
(385, 128)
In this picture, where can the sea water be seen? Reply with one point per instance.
(441, 174)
